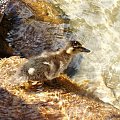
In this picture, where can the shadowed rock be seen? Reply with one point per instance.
(36, 26)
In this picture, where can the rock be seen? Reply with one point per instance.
(64, 102)
(36, 26)
(5, 50)
(3, 5)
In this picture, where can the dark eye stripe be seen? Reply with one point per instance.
(76, 44)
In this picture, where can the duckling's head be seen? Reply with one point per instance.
(76, 47)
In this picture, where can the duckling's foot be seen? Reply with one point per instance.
(31, 85)
(65, 83)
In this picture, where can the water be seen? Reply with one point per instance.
(96, 23)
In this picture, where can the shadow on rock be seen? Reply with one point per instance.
(14, 108)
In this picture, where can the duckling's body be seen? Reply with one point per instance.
(46, 68)
(50, 66)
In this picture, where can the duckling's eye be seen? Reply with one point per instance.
(76, 44)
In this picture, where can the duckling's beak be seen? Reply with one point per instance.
(84, 49)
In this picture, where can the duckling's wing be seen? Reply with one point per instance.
(51, 73)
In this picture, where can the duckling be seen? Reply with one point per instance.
(50, 65)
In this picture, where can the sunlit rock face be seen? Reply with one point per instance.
(45, 102)
(97, 25)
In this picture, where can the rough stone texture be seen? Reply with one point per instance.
(36, 26)
(62, 101)
(5, 50)
(3, 5)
